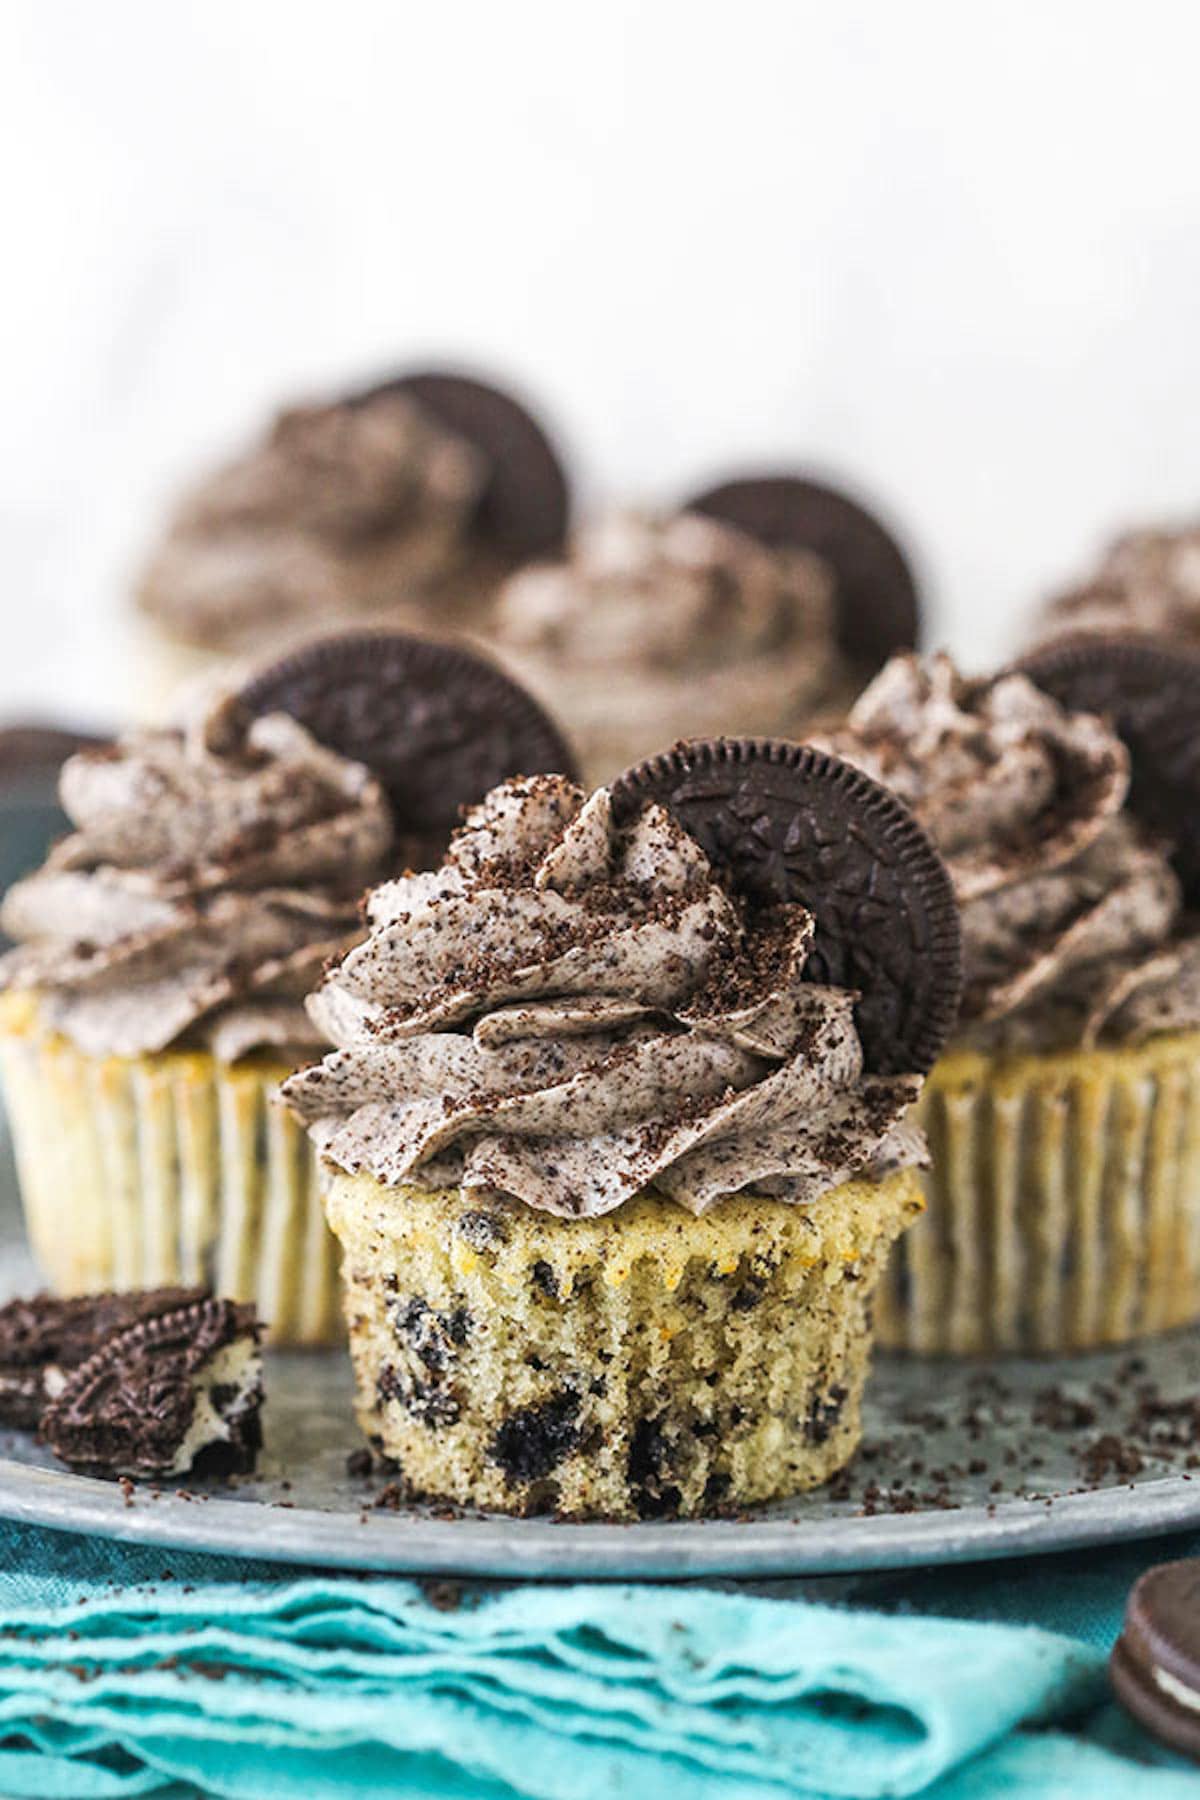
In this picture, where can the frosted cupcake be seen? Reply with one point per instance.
(757, 607)
(1064, 1119)
(616, 1130)
(1147, 581)
(154, 1000)
(404, 504)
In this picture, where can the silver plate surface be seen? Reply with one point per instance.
(1060, 1439)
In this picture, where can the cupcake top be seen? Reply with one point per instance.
(201, 890)
(672, 624)
(1146, 581)
(420, 488)
(1073, 921)
(576, 1007)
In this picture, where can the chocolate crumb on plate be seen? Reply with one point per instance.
(175, 1393)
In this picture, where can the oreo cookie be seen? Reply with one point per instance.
(1155, 1664)
(878, 608)
(437, 724)
(1151, 693)
(525, 506)
(43, 1339)
(784, 823)
(177, 1393)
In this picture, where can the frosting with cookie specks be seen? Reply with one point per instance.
(201, 891)
(1072, 916)
(569, 1012)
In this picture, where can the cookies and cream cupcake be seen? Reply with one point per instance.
(755, 607)
(616, 1126)
(1064, 1118)
(155, 997)
(1147, 581)
(403, 504)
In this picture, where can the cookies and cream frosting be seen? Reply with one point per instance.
(670, 626)
(1071, 913)
(201, 891)
(1147, 581)
(342, 508)
(568, 1012)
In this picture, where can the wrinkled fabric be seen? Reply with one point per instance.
(567, 1013)
(1072, 928)
(201, 893)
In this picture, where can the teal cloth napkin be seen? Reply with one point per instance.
(129, 1672)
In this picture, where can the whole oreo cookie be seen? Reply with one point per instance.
(1155, 1664)
(438, 725)
(525, 505)
(784, 822)
(1151, 692)
(878, 610)
(178, 1391)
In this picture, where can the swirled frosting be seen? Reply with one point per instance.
(673, 626)
(341, 509)
(1147, 581)
(1071, 914)
(567, 1013)
(201, 891)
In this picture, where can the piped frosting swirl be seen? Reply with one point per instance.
(568, 1012)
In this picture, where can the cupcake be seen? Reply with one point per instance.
(403, 504)
(753, 608)
(1147, 581)
(1064, 1118)
(616, 1130)
(153, 1001)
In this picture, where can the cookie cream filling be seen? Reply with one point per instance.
(1073, 928)
(201, 891)
(568, 1012)
(224, 1390)
(1175, 1689)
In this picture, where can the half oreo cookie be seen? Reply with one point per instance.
(175, 1393)
(878, 609)
(1151, 693)
(1155, 1664)
(44, 1339)
(437, 724)
(525, 505)
(785, 823)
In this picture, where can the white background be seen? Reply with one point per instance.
(950, 250)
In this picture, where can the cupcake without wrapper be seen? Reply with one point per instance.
(1064, 1118)
(154, 1000)
(402, 504)
(755, 607)
(616, 1131)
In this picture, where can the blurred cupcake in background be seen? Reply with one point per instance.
(153, 1002)
(756, 607)
(1064, 1117)
(1147, 581)
(403, 504)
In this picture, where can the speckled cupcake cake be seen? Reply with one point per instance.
(1064, 1119)
(756, 607)
(616, 1125)
(154, 1000)
(403, 504)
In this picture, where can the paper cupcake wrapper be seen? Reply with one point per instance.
(143, 1171)
(1063, 1203)
(643, 1364)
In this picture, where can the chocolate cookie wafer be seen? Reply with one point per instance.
(43, 1340)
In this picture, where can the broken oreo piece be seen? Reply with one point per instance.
(439, 726)
(1155, 1664)
(43, 1339)
(176, 1393)
(1151, 693)
(876, 599)
(525, 504)
(787, 823)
